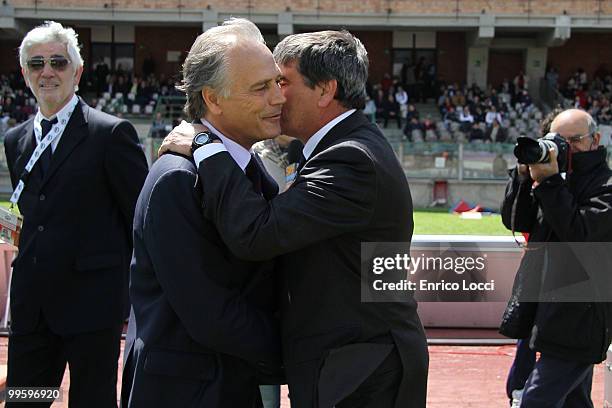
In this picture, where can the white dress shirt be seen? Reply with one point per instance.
(62, 115)
(315, 139)
(240, 155)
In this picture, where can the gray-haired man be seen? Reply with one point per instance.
(202, 328)
(338, 350)
(69, 285)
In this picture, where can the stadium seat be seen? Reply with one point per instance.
(445, 136)
(430, 136)
(417, 135)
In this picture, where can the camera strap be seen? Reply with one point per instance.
(513, 218)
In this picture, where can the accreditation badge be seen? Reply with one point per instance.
(290, 174)
(10, 226)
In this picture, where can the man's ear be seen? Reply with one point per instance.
(211, 100)
(77, 76)
(25, 78)
(596, 139)
(328, 91)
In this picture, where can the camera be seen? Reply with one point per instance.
(531, 151)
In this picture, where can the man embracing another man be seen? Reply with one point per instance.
(338, 350)
(202, 331)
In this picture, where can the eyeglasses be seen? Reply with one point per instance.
(577, 139)
(58, 63)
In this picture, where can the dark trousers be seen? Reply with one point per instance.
(379, 390)
(38, 359)
(522, 366)
(558, 383)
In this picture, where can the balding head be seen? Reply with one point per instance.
(578, 128)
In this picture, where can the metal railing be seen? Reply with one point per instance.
(459, 161)
(171, 108)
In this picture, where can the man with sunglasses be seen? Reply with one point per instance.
(77, 173)
(572, 208)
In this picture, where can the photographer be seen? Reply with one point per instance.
(570, 337)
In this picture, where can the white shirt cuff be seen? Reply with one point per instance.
(206, 151)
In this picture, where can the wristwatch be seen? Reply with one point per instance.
(202, 139)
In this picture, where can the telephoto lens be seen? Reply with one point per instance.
(532, 151)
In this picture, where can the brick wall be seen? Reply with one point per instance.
(588, 51)
(576, 7)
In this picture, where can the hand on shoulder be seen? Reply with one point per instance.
(180, 138)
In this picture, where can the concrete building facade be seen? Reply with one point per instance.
(473, 41)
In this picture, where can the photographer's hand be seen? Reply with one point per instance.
(523, 172)
(541, 171)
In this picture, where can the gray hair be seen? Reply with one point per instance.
(592, 125)
(51, 31)
(327, 55)
(206, 65)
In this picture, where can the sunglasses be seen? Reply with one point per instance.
(57, 63)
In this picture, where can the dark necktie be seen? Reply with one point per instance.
(253, 172)
(45, 157)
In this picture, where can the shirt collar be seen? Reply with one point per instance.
(241, 156)
(62, 114)
(312, 143)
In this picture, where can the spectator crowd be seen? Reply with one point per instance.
(467, 113)
(118, 92)
(16, 101)
(493, 115)
(580, 92)
(121, 92)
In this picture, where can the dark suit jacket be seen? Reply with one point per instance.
(75, 244)
(351, 190)
(202, 319)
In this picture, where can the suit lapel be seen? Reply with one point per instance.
(75, 133)
(355, 120)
